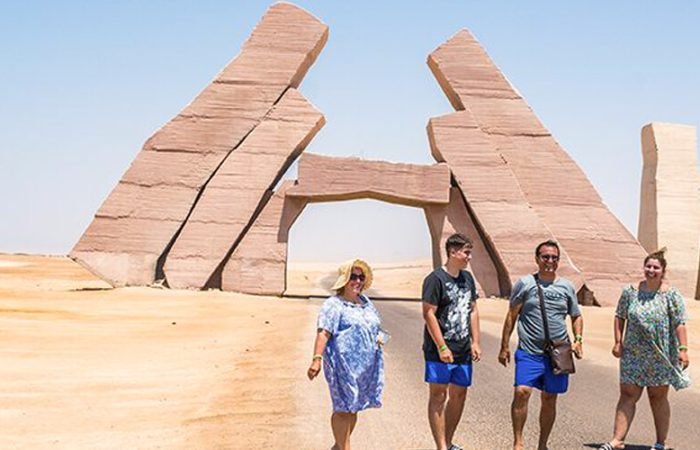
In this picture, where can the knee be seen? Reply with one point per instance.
(630, 394)
(458, 395)
(549, 399)
(438, 397)
(657, 394)
(521, 395)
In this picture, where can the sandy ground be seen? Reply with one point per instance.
(391, 280)
(86, 366)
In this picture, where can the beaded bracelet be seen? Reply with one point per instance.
(682, 347)
(317, 357)
(443, 347)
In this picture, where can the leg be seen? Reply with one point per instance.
(342, 424)
(626, 407)
(548, 412)
(453, 411)
(518, 413)
(436, 413)
(661, 410)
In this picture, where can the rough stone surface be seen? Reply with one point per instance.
(326, 178)
(669, 214)
(516, 141)
(237, 191)
(445, 220)
(259, 264)
(505, 219)
(164, 181)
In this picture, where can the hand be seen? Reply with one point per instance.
(577, 348)
(504, 356)
(446, 356)
(314, 369)
(683, 358)
(476, 352)
(617, 350)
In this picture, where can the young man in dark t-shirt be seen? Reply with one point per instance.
(450, 339)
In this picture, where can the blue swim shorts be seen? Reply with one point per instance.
(445, 373)
(536, 371)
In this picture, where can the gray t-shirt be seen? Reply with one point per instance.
(560, 301)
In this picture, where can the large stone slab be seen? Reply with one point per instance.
(326, 178)
(505, 220)
(175, 163)
(258, 265)
(551, 183)
(669, 213)
(237, 191)
(445, 220)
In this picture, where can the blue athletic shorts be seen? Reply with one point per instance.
(536, 371)
(444, 373)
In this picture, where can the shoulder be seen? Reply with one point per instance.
(565, 282)
(524, 282)
(674, 293)
(434, 274)
(331, 302)
(434, 277)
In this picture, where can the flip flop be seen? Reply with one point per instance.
(609, 446)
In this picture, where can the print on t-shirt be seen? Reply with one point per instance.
(456, 319)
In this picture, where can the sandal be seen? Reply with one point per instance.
(658, 446)
(609, 446)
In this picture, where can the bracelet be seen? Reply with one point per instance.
(443, 347)
(682, 348)
(578, 338)
(317, 356)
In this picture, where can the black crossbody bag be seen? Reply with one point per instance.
(560, 353)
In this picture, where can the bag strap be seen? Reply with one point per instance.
(540, 294)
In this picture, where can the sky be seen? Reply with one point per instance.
(83, 84)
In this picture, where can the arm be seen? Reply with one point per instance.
(476, 332)
(577, 325)
(433, 327)
(619, 330)
(508, 325)
(319, 346)
(682, 335)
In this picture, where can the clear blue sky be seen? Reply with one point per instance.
(83, 84)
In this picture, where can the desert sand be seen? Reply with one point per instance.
(88, 366)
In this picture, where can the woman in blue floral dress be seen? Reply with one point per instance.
(348, 343)
(654, 351)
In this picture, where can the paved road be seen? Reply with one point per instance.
(585, 414)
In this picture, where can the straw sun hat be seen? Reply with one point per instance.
(345, 270)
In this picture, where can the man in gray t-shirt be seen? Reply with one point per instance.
(532, 366)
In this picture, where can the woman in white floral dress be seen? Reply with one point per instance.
(653, 350)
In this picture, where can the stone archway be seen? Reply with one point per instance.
(259, 263)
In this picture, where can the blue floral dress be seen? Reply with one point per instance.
(650, 350)
(352, 361)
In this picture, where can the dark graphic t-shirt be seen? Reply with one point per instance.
(454, 298)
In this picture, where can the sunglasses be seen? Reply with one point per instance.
(553, 258)
(357, 276)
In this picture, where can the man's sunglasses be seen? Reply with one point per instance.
(357, 276)
(553, 258)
